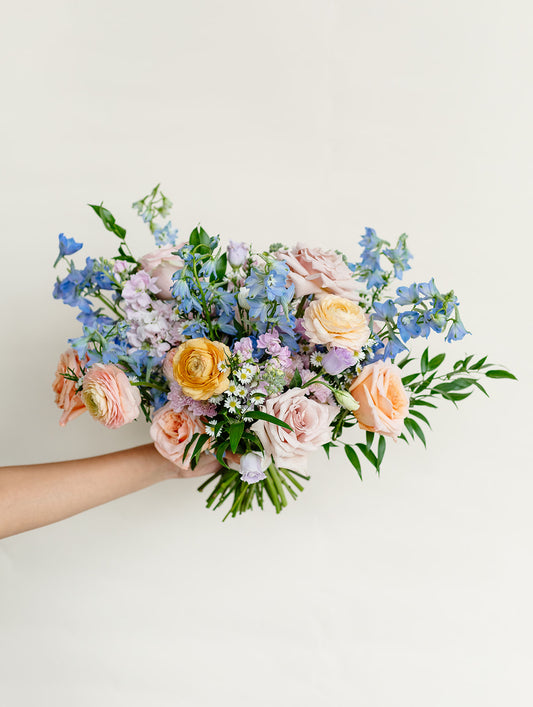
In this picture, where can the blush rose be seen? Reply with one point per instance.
(161, 264)
(317, 271)
(310, 422)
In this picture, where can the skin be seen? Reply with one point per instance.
(35, 495)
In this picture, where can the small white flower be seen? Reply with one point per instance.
(245, 374)
(233, 404)
(241, 391)
(223, 366)
(316, 358)
(232, 388)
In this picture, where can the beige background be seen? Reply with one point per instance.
(276, 121)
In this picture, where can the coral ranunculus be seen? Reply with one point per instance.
(109, 396)
(66, 397)
(383, 401)
(196, 368)
(336, 321)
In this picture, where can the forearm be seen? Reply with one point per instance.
(36, 495)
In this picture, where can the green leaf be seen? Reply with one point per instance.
(424, 360)
(420, 417)
(369, 454)
(354, 459)
(220, 267)
(189, 445)
(413, 426)
(457, 384)
(258, 415)
(108, 220)
(235, 434)
(436, 361)
(382, 446)
(369, 439)
(458, 396)
(478, 364)
(499, 373)
(423, 402)
(482, 389)
(199, 237)
(404, 362)
(296, 380)
(410, 378)
(202, 439)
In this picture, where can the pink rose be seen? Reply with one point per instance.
(109, 396)
(316, 271)
(310, 422)
(66, 397)
(383, 402)
(172, 431)
(161, 265)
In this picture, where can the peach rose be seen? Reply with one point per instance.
(196, 368)
(383, 402)
(109, 396)
(315, 271)
(310, 422)
(162, 264)
(66, 397)
(336, 321)
(172, 431)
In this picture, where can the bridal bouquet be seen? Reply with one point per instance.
(245, 362)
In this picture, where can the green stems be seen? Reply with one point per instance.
(203, 301)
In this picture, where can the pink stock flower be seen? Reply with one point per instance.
(66, 397)
(109, 396)
(310, 422)
(161, 264)
(316, 271)
(136, 290)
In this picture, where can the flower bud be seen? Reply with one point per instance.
(346, 400)
(241, 298)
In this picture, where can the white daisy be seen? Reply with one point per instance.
(233, 404)
(316, 358)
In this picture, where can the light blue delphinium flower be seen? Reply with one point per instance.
(166, 235)
(384, 311)
(67, 246)
(408, 325)
(457, 331)
(407, 295)
(399, 256)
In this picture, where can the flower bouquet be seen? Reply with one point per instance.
(245, 362)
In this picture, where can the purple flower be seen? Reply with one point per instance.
(338, 360)
(252, 467)
(237, 253)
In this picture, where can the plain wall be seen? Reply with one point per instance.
(267, 121)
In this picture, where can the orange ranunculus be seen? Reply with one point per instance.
(196, 368)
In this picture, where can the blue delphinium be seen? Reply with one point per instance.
(67, 246)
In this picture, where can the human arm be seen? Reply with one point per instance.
(39, 494)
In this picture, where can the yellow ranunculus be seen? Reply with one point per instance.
(195, 367)
(336, 321)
